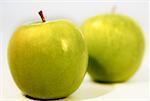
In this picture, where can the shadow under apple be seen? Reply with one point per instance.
(87, 90)
(90, 90)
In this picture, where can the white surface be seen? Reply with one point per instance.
(15, 13)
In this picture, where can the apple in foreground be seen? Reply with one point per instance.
(48, 60)
(115, 45)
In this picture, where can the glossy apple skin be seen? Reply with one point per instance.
(115, 45)
(48, 60)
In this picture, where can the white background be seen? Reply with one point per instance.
(13, 14)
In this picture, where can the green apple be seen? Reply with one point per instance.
(115, 45)
(48, 60)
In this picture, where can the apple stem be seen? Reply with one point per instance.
(42, 16)
(113, 10)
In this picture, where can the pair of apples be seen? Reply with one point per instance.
(49, 60)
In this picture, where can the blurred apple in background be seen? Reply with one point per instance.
(48, 60)
(115, 45)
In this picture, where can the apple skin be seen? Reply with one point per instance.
(48, 60)
(115, 45)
